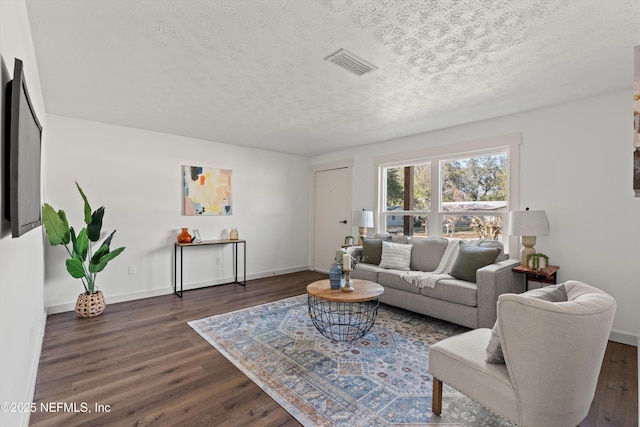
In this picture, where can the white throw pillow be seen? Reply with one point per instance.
(396, 256)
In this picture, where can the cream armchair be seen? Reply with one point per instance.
(553, 353)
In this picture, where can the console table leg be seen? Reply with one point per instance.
(235, 262)
(181, 271)
(175, 270)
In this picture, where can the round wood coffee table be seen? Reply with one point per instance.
(343, 316)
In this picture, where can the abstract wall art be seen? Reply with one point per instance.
(207, 191)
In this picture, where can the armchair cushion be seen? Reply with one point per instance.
(470, 259)
(556, 293)
(461, 357)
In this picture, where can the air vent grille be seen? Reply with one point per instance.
(350, 62)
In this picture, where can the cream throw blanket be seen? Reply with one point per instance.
(429, 279)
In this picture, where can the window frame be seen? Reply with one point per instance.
(382, 211)
(509, 144)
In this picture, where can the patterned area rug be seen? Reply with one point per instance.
(379, 380)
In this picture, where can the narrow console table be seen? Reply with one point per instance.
(234, 243)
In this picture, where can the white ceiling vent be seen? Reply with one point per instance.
(350, 62)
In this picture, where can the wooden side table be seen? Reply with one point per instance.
(546, 275)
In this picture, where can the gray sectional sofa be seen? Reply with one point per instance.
(462, 282)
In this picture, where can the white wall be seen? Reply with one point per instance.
(575, 163)
(137, 176)
(22, 311)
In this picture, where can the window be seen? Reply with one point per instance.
(408, 199)
(474, 196)
(456, 194)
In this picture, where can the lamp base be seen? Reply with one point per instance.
(527, 249)
(363, 233)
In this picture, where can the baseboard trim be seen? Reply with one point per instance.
(278, 272)
(254, 276)
(112, 299)
(624, 338)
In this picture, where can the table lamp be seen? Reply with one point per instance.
(363, 219)
(528, 224)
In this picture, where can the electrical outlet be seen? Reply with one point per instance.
(132, 270)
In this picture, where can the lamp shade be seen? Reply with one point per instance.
(528, 223)
(363, 219)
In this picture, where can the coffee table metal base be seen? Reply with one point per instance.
(342, 321)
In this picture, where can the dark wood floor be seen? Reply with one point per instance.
(146, 367)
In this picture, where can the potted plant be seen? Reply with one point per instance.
(84, 262)
(537, 261)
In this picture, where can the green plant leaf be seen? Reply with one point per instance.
(81, 244)
(87, 207)
(74, 239)
(95, 259)
(103, 256)
(101, 262)
(103, 249)
(75, 268)
(95, 226)
(56, 225)
(107, 241)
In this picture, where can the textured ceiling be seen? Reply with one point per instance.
(252, 72)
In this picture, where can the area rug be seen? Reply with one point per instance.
(379, 380)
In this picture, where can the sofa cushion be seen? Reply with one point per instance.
(396, 256)
(427, 252)
(556, 293)
(366, 272)
(393, 279)
(470, 259)
(395, 238)
(453, 290)
(372, 249)
(494, 244)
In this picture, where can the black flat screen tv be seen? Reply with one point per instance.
(22, 157)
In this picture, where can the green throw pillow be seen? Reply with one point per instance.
(372, 249)
(549, 293)
(470, 259)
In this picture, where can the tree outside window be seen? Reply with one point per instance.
(471, 186)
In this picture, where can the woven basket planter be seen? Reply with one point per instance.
(90, 305)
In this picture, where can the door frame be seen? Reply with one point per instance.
(339, 164)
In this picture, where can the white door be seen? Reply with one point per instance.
(332, 219)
